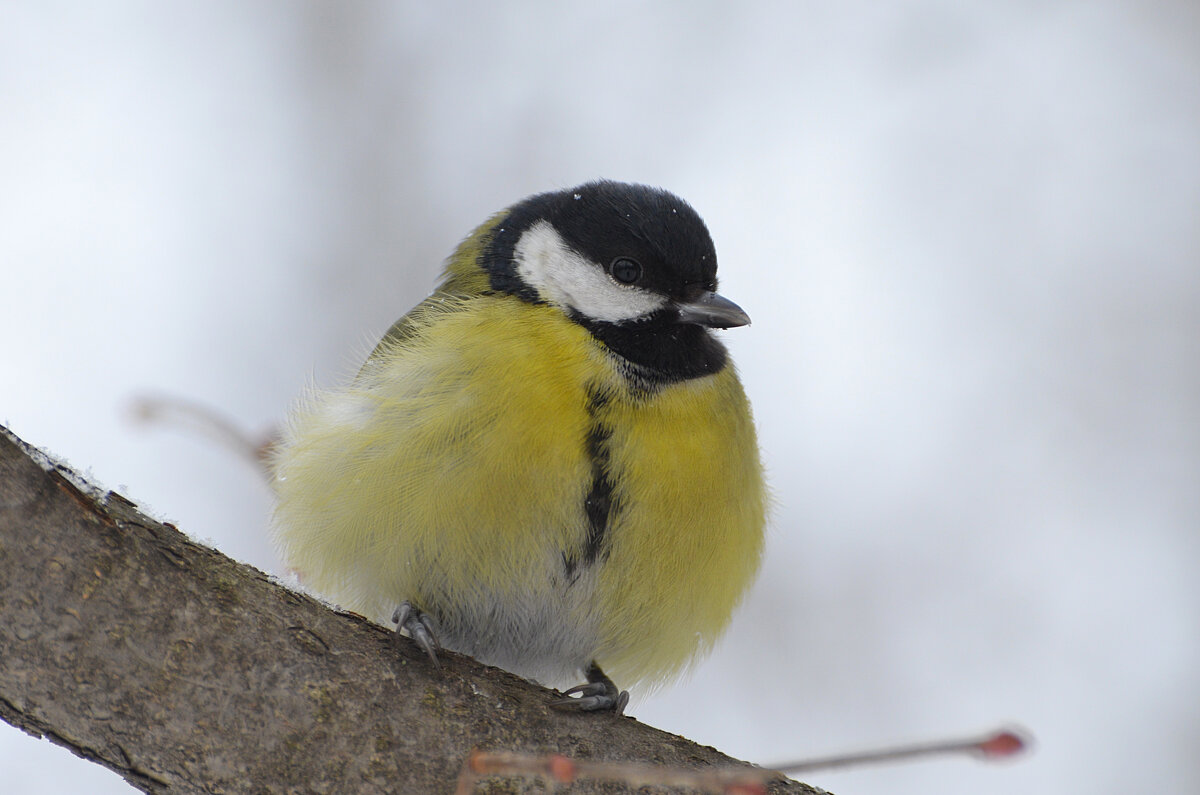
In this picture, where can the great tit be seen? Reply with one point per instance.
(548, 464)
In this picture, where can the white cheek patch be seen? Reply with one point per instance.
(569, 280)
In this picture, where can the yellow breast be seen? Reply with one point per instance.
(455, 472)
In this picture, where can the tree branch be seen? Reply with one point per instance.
(187, 672)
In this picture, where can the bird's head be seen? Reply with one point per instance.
(634, 265)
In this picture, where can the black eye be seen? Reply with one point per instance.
(625, 270)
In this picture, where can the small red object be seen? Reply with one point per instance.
(1002, 744)
(562, 769)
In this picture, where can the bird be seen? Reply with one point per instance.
(550, 463)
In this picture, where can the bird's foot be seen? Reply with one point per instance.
(599, 694)
(408, 618)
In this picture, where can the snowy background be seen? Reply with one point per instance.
(968, 235)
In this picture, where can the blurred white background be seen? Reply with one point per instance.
(968, 234)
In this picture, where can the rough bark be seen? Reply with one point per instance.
(187, 672)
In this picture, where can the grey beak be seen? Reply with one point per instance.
(714, 311)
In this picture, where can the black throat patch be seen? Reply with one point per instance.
(663, 350)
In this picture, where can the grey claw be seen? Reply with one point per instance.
(586, 689)
(419, 628)
(585, 704)
(593, 697)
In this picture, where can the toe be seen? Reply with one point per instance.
(419, 627)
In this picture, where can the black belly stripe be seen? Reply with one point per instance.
(600, 503)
